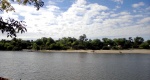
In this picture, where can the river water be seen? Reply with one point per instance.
(73, 66)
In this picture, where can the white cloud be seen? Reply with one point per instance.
(145, 20)
(138, 5)
(118, 1)
(80, 2)
(81, 17)
(117, 7)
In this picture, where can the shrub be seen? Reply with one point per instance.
(106, 48)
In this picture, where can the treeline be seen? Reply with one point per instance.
(75, 44)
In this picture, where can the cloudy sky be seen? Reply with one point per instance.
(95, 18)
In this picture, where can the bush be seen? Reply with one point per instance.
(115, 48)
(16, 48)
(144, 45)
(106, 48)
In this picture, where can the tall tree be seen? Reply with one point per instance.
(138, 41)
(96, 44)
(83, 38)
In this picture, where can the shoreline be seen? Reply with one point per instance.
(139, 51)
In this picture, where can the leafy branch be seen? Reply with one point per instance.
(11, 27)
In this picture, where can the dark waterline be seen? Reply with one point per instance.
(73, 66)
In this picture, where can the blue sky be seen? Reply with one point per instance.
(95, 18)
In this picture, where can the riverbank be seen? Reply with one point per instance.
(140, 51)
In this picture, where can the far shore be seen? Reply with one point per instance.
(140, 51)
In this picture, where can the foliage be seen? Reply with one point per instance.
(6, 4)
(96, 44)
(66, 43)
(12, 27)
(138, 41)
(145, 45)
(15, 44)
(106, 48)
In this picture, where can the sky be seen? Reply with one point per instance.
(95, 18)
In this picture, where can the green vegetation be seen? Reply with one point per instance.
(75, 44)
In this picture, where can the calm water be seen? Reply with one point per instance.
(74, 66)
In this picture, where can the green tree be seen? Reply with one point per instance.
(26, 44)
(2, 45)
(35, 46)
(8, 46)
(130, 40)
(122, 43)
(107, 43)
(82, 41)
(83, 38)
(148, 41)
(49, 42)
(17, 44)
(138, 41)
(75, 44)
(144, 45)
(96, 44)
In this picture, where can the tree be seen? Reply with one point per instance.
(26, 44)
(11, 26)
(120, 43)
(138, 41)
(8, 46)
(75, 44)
(130, 42)
(83, 38)
(144, 45)
(35, 46)
(96, 44)
(17, 44)
(49, 42)
(107, 43)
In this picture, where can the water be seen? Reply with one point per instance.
(74, 66)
